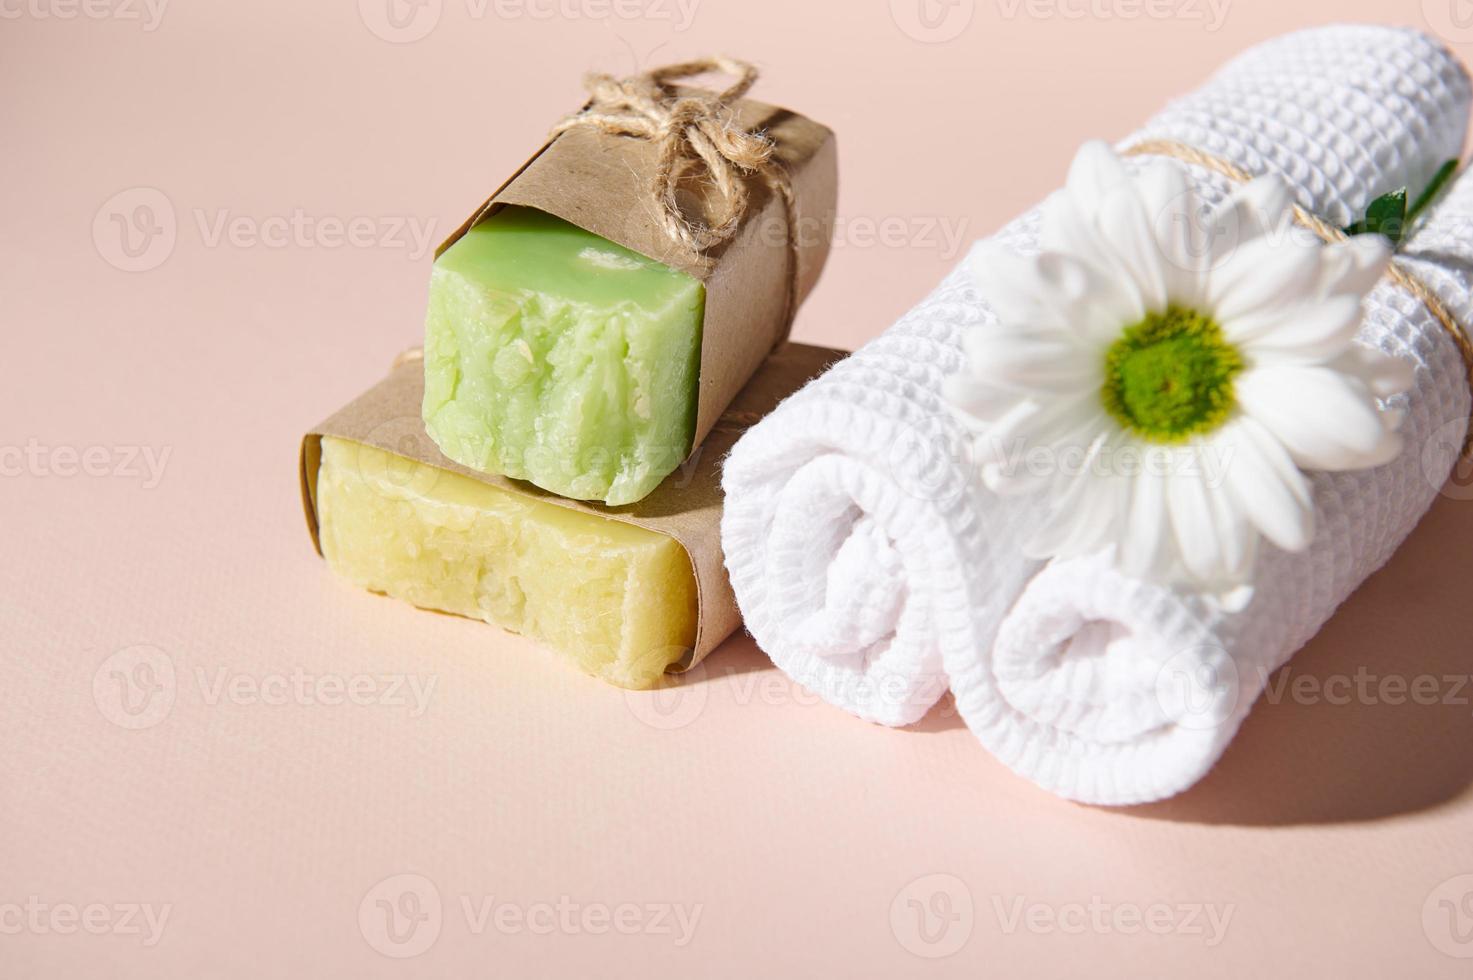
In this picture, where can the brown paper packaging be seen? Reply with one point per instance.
(686, 506)
(600, 183)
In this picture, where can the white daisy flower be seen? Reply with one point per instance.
(1167, 390)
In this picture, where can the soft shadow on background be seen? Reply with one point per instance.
(1305, 760)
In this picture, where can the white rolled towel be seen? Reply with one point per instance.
(868, 560)
(1110, 690)
(850, 534)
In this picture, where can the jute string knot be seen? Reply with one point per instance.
(689, 128)
(1330, 234)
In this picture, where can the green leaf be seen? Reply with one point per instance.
(1428, 195)
(1387, 215)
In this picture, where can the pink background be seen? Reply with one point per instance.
(1326, 832)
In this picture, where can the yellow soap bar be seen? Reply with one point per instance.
(616, 599)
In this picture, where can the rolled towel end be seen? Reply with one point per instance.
(1105, 689)
(847, 577)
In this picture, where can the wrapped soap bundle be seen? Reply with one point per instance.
(624, 594)
(1135, 450)
(599, 331)
(591, 321)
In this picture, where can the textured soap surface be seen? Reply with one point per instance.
(616, 599)
(555, 356)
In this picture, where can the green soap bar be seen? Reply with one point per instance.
(555, 356)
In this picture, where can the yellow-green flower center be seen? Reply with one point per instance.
(1170, 376)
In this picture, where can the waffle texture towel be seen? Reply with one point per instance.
(1110, 690)
(1113, 691)
(868, 560)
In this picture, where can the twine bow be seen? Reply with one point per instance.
(689, 128)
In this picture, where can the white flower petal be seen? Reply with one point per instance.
(1104, 508)
(1075, 490)
(1260, 208)
(1051, 292)
(1006, 481)
(1262, 479)
(1071, 224)
(1126, 229)
(1075, 437)
(1067, 229)
(1024, 361)
(1236, 599)
(1355, 265)
(1056, 419)
(1083, 520)
(1095, 171)
(1002, 449)
(1142, 554)
(1262, 274)
(1003, 277)
(1235, 537)
(1314, 331)
(1163, 189)
(976, 403)
(1326, 420)
(994, 434)
(1174, 210)
(1192, 524)
(1384, 375)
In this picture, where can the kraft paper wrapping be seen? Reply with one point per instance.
(686, 506)
(600, 183)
